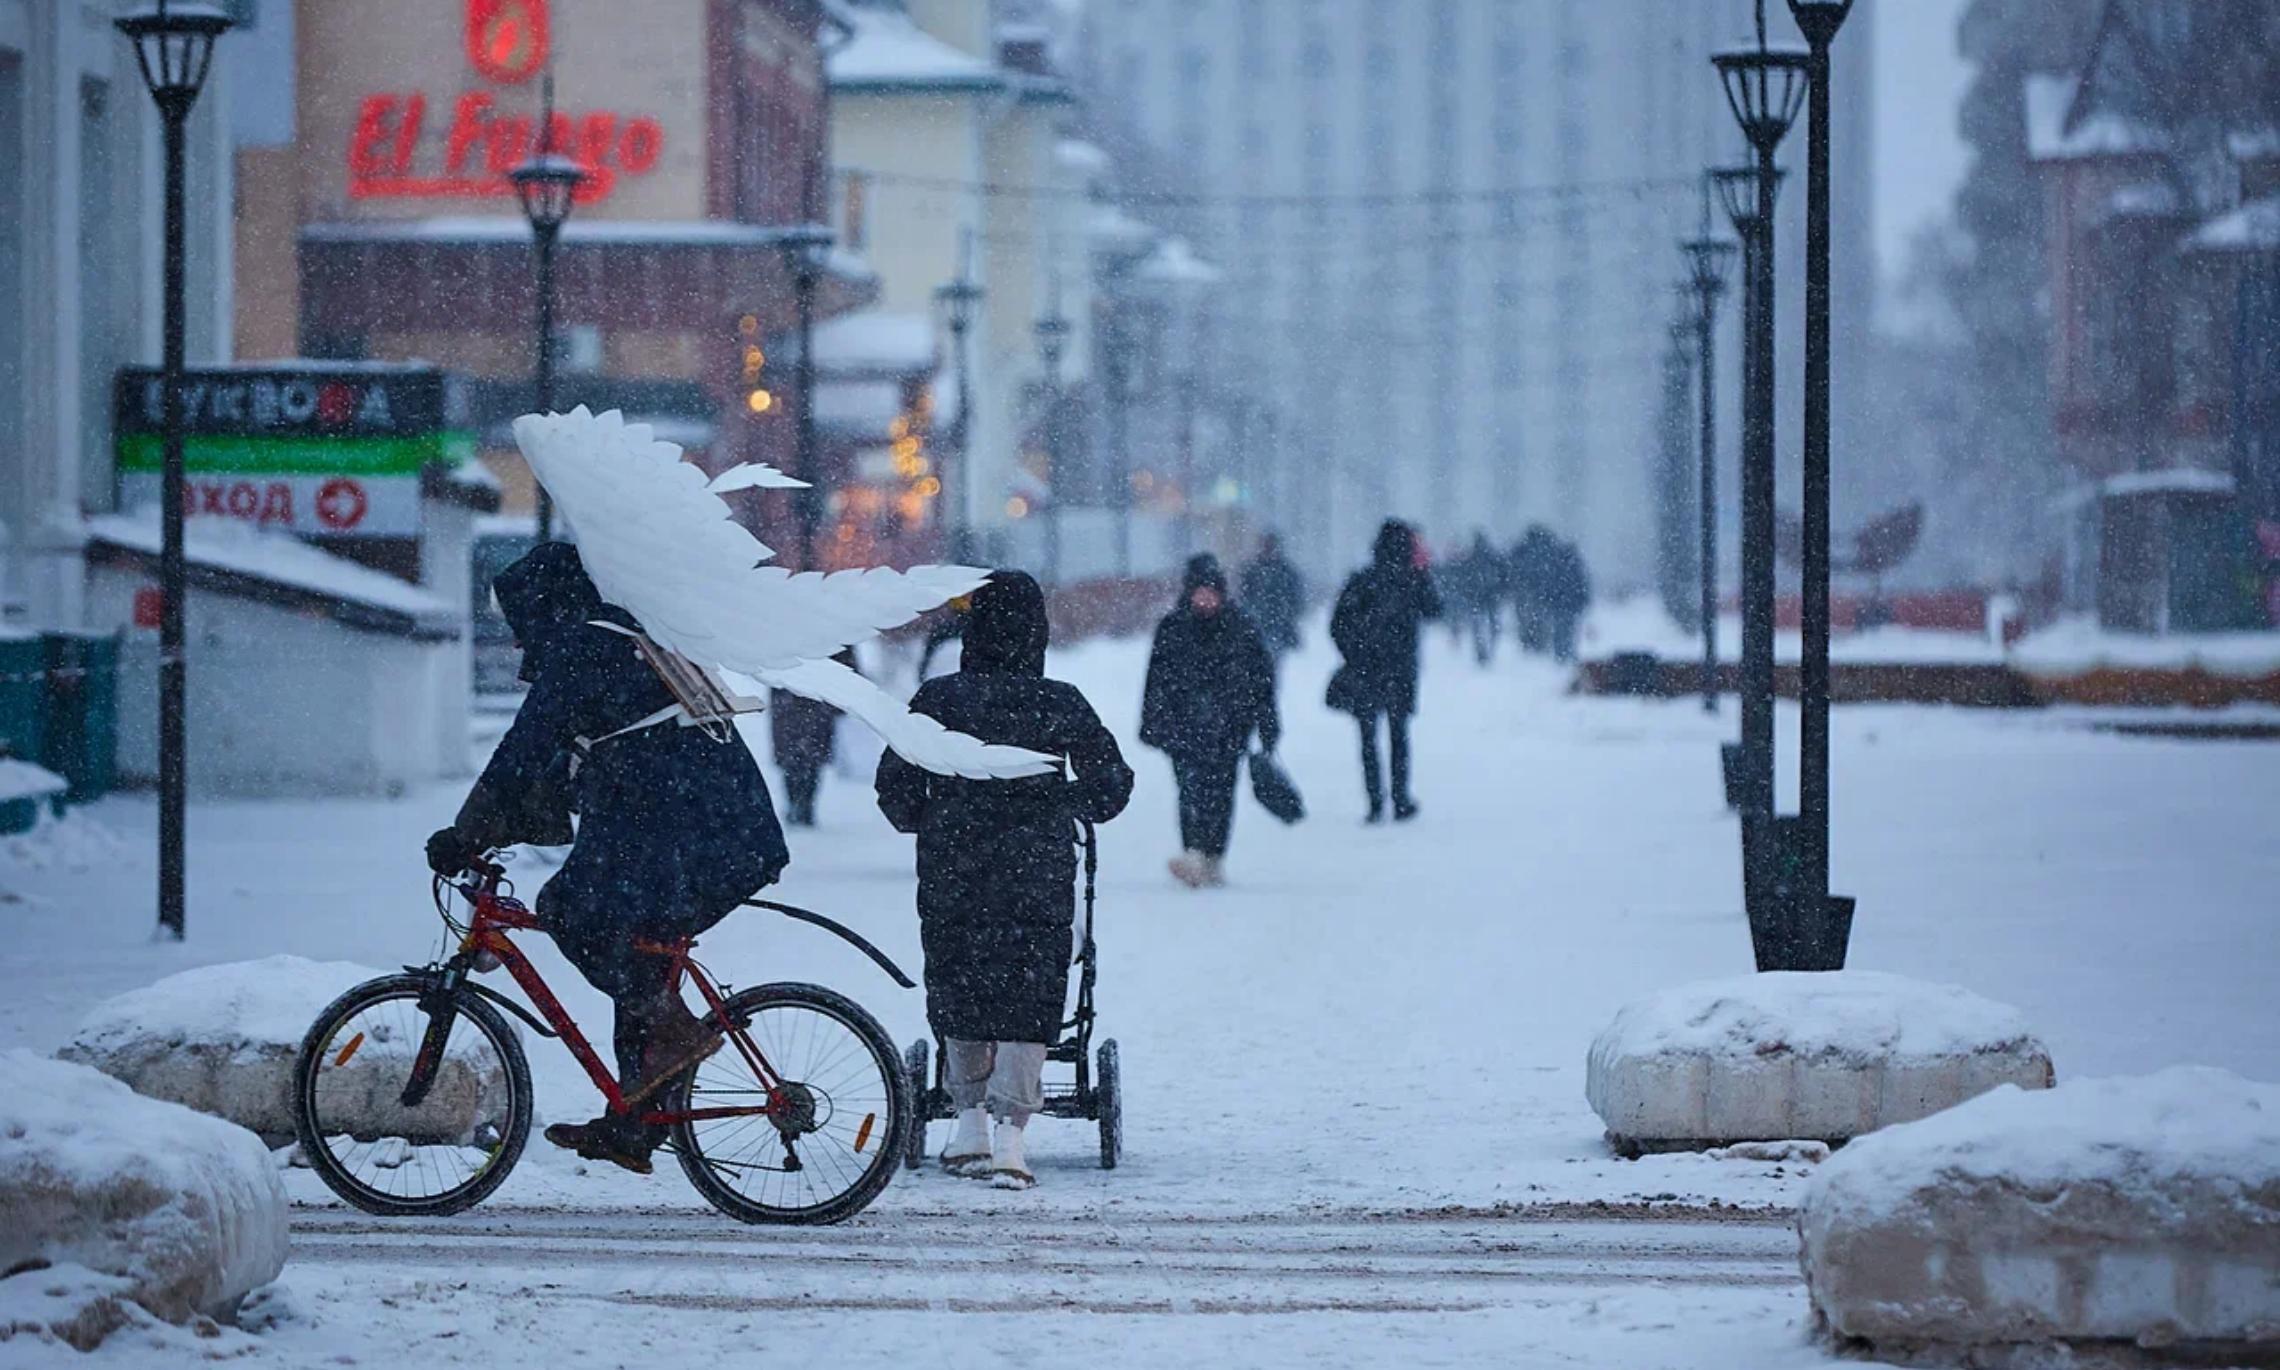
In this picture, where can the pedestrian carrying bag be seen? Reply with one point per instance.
(1271, 786)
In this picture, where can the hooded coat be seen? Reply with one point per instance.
(1375, 627)
(675, 828)
(997, 859)
(1274, 595)
(1211, 683)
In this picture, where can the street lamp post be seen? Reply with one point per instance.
(1116, 378)
(804, 247)
(1819, 21)
(1765, 88)
(547, 184)
(1052, 341)
(174, 46)
(960, 299)
(1708, 260)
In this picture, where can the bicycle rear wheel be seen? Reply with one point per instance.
(449, 1148)
(837, 1124)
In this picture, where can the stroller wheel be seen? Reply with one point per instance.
(1108, 1104)
(922, 1106)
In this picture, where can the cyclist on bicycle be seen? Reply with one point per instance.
(675, 827)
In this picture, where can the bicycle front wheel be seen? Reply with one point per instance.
(400, 1148)
(836, 1123)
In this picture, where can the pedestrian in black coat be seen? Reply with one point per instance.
(1274, 595)
(1375, 628)
(675, 826)
(997, 863)
(802, 733)
(1567, 593)
(1211, 686)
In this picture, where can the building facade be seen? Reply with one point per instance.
(80, 211)
(1449, 239)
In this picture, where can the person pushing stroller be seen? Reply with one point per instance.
(997, 868)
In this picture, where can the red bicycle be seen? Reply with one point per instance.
(414, 1096)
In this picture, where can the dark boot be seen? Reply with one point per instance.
(619, 1141)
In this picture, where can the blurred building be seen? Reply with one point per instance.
(701, 125)
(1449, 233)
(949, 164)
(80, 273)
(2160, 162)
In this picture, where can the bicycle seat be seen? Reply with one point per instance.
(678, 946)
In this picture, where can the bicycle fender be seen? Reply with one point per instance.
(845, 933)
(530, 1020)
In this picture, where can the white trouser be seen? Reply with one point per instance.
(1006, 1077)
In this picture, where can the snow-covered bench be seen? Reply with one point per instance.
(2120, 1216)
(112, 1198)
(222, 1039)
(1810, 1056)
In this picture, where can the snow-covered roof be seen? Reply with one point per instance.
(875, 342)
(2174, 481)
(1111, 228)
(2050, 99)
(1175, 263)
(858, 408)
(2143, 200)
(242, 554)
(22, 780)
(887, 50)
(1081, 157)
(2254, 227)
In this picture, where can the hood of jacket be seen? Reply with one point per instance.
(544, 591)
(1203, 569)
(1006, 628)
(1396, 547)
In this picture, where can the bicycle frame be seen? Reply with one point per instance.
(496, 915)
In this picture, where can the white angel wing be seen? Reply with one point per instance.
(914, 737)
(659, 540)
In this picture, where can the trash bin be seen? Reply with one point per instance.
(23, 693)
(81, 739)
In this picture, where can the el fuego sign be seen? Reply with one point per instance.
(325, 451)
(393, 153)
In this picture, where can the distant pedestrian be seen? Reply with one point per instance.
(1480, 575)
(1274, 596)
(1528, 573)
(1375, 627)
(802, 733)
(1211, 686)
(1567, 593)
(997, 868)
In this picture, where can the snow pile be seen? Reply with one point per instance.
(182, 1215)
(2078, 646)
(1800, 1055)
(73, 842)
(23, 780)
(2142, 1209)
(223, 1040)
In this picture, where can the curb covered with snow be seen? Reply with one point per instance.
(222, 1039)
(187, 1210)
(2138, 1212)
(1820, 1056)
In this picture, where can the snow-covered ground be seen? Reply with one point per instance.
(1369, 1022)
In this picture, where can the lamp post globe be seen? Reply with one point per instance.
(174, 49)
(547, 184)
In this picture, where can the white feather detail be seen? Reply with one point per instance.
(914, 737)
(660, 542)
(753, 475)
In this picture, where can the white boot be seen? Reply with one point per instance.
(1009, 1167)
(1214, 872)
(969, 1149)
(1188, 868)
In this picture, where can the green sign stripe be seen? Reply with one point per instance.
(143, 453)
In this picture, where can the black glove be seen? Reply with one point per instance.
(449, 853)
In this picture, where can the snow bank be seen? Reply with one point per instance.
(1800, 1055)
(2142, 1210)
(2078, 646)
(181, 1214)
(223, 1039)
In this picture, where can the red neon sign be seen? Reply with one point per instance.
(507, 40)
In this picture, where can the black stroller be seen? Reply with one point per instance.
(1097, 1091)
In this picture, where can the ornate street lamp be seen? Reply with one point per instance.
(806, 250)
(174, 47)
(1052, 330)
(961, 300)
(1708, 260)
(547, 184)
(1765, 87)
(1819, 21)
